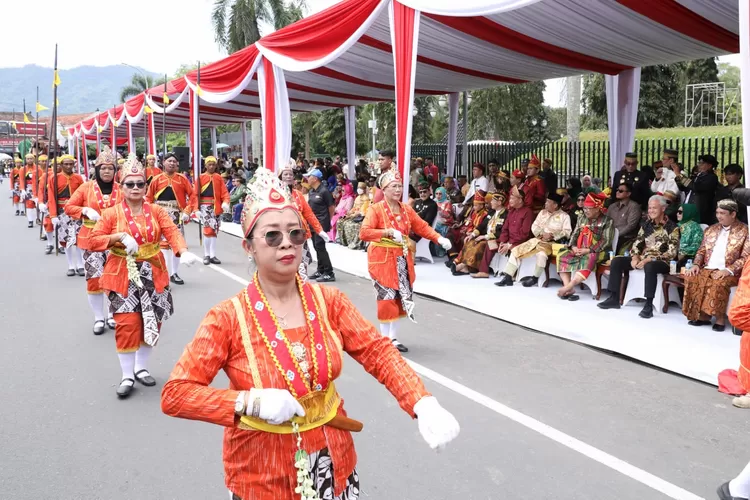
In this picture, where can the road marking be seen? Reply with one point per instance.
(614, 463)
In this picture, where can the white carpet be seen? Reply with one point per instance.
(666, 341)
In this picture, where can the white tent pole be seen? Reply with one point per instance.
(214, 149)
(243, 129)
(452, 130)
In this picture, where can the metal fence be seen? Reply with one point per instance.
(575, 159)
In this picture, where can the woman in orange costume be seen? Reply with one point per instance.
(87, 204)
(390, 255)
(281, 343)
(135, 274)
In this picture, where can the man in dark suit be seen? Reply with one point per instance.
(631, 175)
(702, 188)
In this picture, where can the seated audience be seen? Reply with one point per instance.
(515, 230)
(461, 229)
(626, 216)
(716, 269)
(691, 233)
(552, 225)
(237, 197)
(344, 205)
(673, 204)
(475, 244)
(445, 218)
(534, 187)
(347, 230)
(425, 207)
(733, 176)
(591, 240)
(588, 185)
(655, 246)
(664, 181)
(454, 194)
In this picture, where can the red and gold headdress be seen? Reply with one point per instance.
(105, 157)
(534, 162)
(265, 193)
(132, 168)
(389, 176)
(595, 200)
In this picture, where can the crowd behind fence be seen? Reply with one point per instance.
(575, 159)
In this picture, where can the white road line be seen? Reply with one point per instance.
(614, 463)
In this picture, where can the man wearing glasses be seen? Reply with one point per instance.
(638, 180)
(626, 217)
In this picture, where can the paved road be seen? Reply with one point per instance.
(64, 434)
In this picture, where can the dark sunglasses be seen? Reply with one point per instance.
(680, 212)
(275, 238)
(631, 163)
(423, 192)
(622, 190)
(131, 185)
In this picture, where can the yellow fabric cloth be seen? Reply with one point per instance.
(145, 252)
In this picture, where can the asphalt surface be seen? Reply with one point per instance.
(65, 435)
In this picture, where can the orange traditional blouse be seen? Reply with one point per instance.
(310, 221)
(381, 260)
(259, 465)
(220, 193)
(115, 275)
(89, 195)
(66, 186)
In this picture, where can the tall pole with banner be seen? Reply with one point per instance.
(196, 148)
(53, 137)
(165, 102)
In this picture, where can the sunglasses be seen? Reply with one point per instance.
(131, 185)
(275, 238)
(622, 190)
(680, 212)
(630, 163)
(423, 192)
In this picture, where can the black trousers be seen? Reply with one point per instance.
(621, 266)
(324, 261)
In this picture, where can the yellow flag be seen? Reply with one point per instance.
(57, 82)
(199, 90)
(99, 129)
(165, 98)
(57, 102)
(148, 110)
(39, 107)
(26, 118)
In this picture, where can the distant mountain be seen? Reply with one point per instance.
(82, 89)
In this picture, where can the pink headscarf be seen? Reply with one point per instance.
(348, 191)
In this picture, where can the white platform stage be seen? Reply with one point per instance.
(665, 341)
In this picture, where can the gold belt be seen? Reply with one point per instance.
(207, 201)
(168, 204)
(89, 223)
(388, 243)
(320, 408)
(145, 252)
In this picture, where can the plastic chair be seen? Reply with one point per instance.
(636, 284)
(423, 248)
(527, 267)
(498, 263)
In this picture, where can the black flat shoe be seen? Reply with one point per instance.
(610, 303)
(564, 297)
(314, 276)
(98, 327)
(736, 331)
(31, 224)
(216, 261)
(530, 281)
(176, 279)
(81, 271)
(698, 322)
(206, 261)
(124, 389)
(145, 379)
(573, 298)
(61, 251)
(111, 324)
(71, 272)
(44, 237)
(723, 492)
(647, 311)
(505, 280)
(326, 278)
(48, 250)
(398, 345)
(719, 328)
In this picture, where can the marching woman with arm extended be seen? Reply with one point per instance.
(87, 204)
(281, 343)
(390, 255)
(135, 274)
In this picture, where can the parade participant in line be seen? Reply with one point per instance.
(172, 191)
(281, 342)
(67, 228)
(42, 191)
(213, 201)
(15, 182)
(390, 255)
(134, 277)
(308, 218)
(29, 172)
(87, 204)
(151, 169)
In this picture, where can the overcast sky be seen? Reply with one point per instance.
(94, 32)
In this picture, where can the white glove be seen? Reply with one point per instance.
(325, 236)
(185, 218)
(91, 214)
(189, 259)
(445, 243)
(23, 195)
(436, 424)
(55, 221)
(225, 207)
(36, 201)
(43, 208)
(131, 246)
(397, 236)
(276, 405)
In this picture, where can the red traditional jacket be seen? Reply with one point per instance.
(90, 196)
(220, 193)
(66, 186)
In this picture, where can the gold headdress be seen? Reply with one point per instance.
(132, 167)
(210, 159)
(389, 176)
(18, 161)
(105, 157)
(42, 157)
(150, 157)
(29, 156)
(266, 193)
(67, 158)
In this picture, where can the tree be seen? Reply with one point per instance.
(237, 22)
(507, 113)
(139, 83)
(330, 130)
(729, 74)
(557, 122)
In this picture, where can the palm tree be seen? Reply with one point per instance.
(237, 22)
(138, 84)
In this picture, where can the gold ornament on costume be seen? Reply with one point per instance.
(131, 168)
(106, 157)
(389, 176)
(266, 193)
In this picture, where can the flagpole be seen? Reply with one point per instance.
(197, 152)
(164, 115)
(54, 141)
(36, 163)
(113, 122)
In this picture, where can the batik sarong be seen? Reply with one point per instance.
(401, 298)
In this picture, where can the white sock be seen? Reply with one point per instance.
(127, 363)
(385, 330)
(79, 256)
(18, 207)
(168, 260)
(141, 358)
(50, 238)
(69, 257)
(96, 302)
(175, 264)
(206, 246)
(212, 246)
(394, 327)
(740, 486)
(31, 214)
